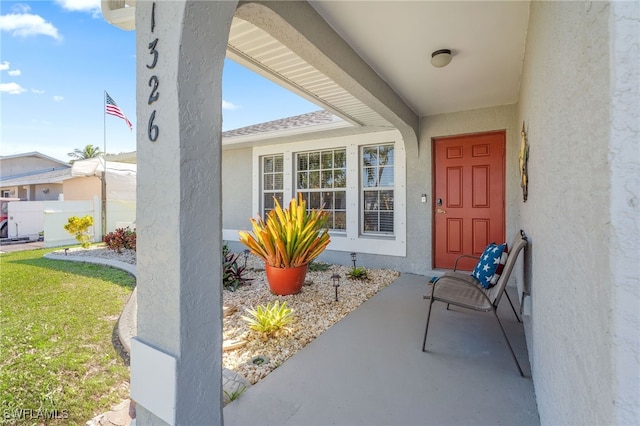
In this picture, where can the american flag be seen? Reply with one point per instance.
(113, 109)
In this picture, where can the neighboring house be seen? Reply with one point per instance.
(422, 143)
(36, 177)
(32, 176)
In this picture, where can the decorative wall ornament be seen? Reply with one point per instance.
(524, 157)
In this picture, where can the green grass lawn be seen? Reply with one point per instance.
(57, 323)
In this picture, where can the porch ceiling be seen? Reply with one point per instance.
(255, 49)
(396, 39)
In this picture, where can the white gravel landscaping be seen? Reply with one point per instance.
(314, 309)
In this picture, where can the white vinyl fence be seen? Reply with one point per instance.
(29, 218)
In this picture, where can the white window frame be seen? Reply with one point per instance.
(352, 239)
(321, 190)
(377, 189)
(261, 184)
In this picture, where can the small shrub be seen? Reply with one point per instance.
(232, 273)
(358, 273)
(121, 238)
(79, 226)
(269, 319)
(318, 266)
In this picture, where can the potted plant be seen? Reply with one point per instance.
(287, 240)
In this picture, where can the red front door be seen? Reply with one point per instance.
(469, 194)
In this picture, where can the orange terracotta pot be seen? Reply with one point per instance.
(285, 281)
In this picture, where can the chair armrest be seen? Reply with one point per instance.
(455, 264)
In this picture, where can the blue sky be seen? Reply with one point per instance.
(58, 57)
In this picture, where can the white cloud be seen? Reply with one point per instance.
(37, 92)
(92, 6)
(26, 24)
(14, 72)
(4, 66)
(229, 105)
(58, 98)
(12, 88)
(21, 8)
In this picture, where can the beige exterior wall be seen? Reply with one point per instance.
(82, 188)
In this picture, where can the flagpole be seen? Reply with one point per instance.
(104, 172)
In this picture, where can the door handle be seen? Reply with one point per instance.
(440, 211)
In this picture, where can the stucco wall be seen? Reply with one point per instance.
(46, 192)
(237, 176)
(418, 181)
(566, 102)
(420, 163)
(82, 188)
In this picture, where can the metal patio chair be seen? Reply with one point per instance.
(462, 289)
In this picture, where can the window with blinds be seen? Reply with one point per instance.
(321, 178)
(272, 181)
(377, 189)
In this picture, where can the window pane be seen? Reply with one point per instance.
(305, 197)
(303, 161)
(314, 161)
(340, 159)
(370, 200)
(303, 180)
(278, 165)
(327, 159)
(340, 200)
(339, 179)
(371, 222)
(268, 202)
(278, 196)
(370, 156)
(327, 179)
(387, 176)
(386, 200)
(385, 155)
(314, 180)
(369, 177)
(268, 164)
(314, 200)
(386, 222)
(278, 181)
(268, 182)
(339, 220)
(327, 200)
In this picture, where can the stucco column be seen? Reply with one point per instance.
(176, 358)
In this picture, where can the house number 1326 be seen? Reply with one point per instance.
(152, 129)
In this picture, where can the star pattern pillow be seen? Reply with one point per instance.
(491, 264)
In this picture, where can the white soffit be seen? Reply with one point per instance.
(255, 49)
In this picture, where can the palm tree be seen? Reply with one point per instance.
(88, 151)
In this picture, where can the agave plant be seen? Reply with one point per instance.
(288, 238)
(269, 319)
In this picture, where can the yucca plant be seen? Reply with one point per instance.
(269, 319)
(288, 238)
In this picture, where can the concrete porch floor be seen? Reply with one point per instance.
(369, 369)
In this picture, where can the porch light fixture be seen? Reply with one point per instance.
(353, 258)
(336, 283)
(441, 58)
